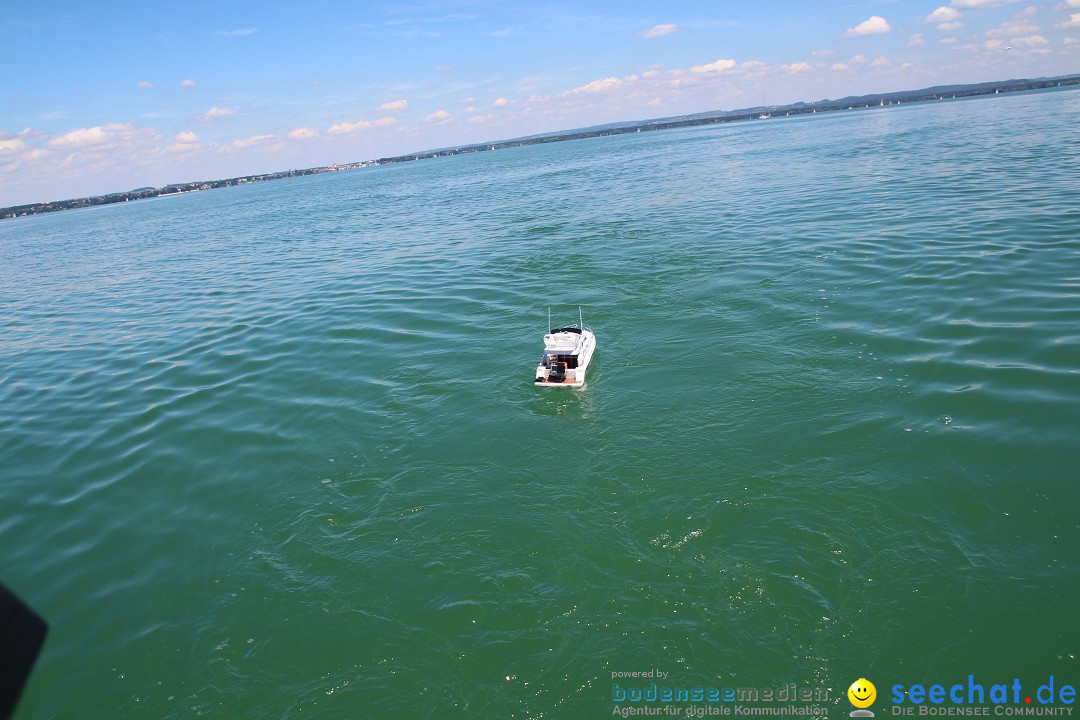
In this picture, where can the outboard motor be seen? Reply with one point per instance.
(557, 372)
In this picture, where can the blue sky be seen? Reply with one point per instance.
(104, 97)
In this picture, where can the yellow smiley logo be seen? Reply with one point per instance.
(862, 693)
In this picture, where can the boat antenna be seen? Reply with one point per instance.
(549, 319)
(580, 320)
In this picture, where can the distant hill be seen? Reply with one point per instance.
(924, 94)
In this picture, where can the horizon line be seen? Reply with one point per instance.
(613, 128)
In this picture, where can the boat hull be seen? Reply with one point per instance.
(568, 383)
(573, 377)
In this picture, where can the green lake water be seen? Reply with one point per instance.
(275, 450)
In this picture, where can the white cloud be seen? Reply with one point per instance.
(394, 106)
(501, 102)
(186, 141)
(947, 40)
(874, 25)
(796, 67)
(346, 128)
(83, 137)
(480, 118)
(975, 4)
(112, 137)
(145, 85)
(439, 116)
(215, 112)
(388, 120)
(943, 14)
(856, 59)
(1071, 41)
(822, 53)
(595, 86)
(881, 61)
(189, 83)
(994, 44)
(1013, 27)
(1072, 22)
(1032, 10)
(467, 101)
(252, 141)
(81, 162)
(660, 31)
(1067, 5)
(916, 39)
(303, 133)
(950, 26)
(1030, 41)
(713, 67)
(840, 66)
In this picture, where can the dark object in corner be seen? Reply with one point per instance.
(22, 633)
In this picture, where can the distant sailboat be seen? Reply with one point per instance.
(765, 115)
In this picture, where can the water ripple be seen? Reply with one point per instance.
(275, 449)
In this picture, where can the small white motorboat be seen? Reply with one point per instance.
(567, 352)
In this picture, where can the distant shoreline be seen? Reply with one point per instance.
(708, 118)
(166, 191)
